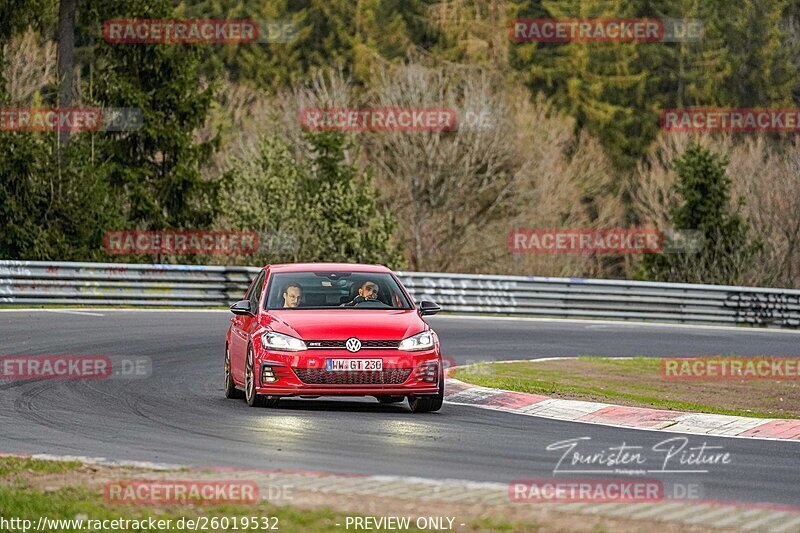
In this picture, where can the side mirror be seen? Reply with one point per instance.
(242, 308)
(427, 308)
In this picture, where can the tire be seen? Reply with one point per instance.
(231, 392)
(428, 404)
(390, 399)
(252, 398)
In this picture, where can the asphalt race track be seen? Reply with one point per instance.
(179, 414)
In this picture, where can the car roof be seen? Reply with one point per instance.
(333, 267)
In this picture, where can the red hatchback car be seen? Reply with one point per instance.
(330, 329)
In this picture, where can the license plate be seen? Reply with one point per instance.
(353, 365)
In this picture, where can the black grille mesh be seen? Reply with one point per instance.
(320, 376)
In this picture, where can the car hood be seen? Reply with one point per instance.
(341, 324)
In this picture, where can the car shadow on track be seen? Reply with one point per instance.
(364, 406)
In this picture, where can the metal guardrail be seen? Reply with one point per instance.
(94, 284)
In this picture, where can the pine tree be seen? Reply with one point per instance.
(51, 208)
(729, 247)
(344, 218)
(472, 32)
(618, 90)
(356, 36)
(155, 169)
(601, 84)
(743, 59)
(322, 207)
(18, 15)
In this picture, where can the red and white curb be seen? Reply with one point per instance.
(460, 393)
(702, 513)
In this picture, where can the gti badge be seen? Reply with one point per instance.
(352, 344)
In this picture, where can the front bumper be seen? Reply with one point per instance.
(288, 367)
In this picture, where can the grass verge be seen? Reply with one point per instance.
(637, 382)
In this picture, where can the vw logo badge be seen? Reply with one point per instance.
(352, 344)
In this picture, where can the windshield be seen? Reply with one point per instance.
(335, 290)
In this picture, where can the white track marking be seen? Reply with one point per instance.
(70, 312)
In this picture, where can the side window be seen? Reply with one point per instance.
(249, 292)
(255, 293)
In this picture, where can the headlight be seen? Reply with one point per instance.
(420, 341)
(281, 342)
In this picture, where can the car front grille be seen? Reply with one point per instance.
(320, 376)
(340, 345)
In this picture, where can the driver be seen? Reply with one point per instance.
(292, 295)
(366, 293)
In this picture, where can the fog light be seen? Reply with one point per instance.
(268, 375)
(428, 372)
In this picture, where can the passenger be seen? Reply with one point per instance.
(292, 295)
(366, 293)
